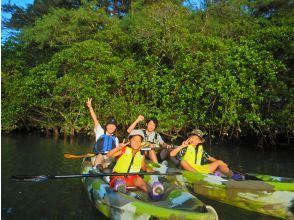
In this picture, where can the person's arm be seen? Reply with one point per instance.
(143, 165)
(133, 125)
(115, 151)
(92, 113)
(162, 143)
(175, 151)
(165, 145)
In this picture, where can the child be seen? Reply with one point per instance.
(153, 139)
(193, 157)
(105, 140)
(130, 160)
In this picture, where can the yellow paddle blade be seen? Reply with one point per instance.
(71, 156)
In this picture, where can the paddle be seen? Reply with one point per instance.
(42, 178)
(71, 156)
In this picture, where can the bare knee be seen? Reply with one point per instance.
(221, 163)
(186, 166)
(183, 164)
(99, 159)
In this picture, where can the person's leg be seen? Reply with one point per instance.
(187, 166)
(152, 156)
(99, 160)
(175, 161)
(110, 163)
(139, 183)
(163, 155)
(221, 166)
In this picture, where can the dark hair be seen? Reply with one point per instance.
(155, 121)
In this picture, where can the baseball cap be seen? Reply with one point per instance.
(111, 121)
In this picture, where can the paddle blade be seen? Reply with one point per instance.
(71, 156)
(25, 178)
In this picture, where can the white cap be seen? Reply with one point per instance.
(136, 132)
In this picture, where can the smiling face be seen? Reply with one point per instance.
(195, 140)
(150, 126)
(110, 128)
(136, 142)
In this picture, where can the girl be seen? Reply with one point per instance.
(194, 158)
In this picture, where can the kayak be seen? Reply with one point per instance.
(268, 195)
(270, 178)
(177, 202)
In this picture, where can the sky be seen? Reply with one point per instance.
(22, 3)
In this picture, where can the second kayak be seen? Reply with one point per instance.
(267, 197)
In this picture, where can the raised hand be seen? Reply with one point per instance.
(186, 142)
(123, 144)
(140, 118)
(89, 102)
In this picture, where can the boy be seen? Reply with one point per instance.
(152, 138)
(105, 140)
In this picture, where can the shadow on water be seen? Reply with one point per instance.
(66, 198)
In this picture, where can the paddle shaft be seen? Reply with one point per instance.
(40, 178)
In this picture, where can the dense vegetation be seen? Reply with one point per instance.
(223, 66)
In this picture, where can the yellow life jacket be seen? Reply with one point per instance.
(126, 163)
(193, 155)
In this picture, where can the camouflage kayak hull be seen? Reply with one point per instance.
(274, 197)
(177, 203)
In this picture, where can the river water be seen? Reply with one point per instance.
(66, 198)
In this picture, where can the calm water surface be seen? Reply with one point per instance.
(66, 198)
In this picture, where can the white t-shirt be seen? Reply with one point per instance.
(100, 131)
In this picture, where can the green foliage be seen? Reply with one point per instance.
(223, 69)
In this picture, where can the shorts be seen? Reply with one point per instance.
(201, 168)
(129, 180)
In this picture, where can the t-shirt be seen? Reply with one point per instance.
(100, 131)
(151, 137)
(182, 152)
